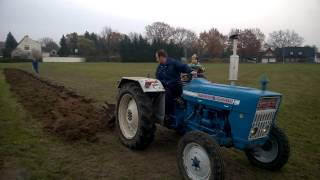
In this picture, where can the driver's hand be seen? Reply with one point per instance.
(194, 73)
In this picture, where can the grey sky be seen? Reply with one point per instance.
(46, 18)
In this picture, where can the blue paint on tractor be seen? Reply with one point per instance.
(225, 112)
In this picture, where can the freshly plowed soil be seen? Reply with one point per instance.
(60, 110)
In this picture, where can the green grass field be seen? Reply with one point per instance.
(27, 151)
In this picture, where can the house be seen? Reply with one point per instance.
(50, 49)
(317, 58)
(268, 56)
(47, 52)
(2, 44)
(25, 48)
(295, 54)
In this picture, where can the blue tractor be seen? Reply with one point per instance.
(209, 115)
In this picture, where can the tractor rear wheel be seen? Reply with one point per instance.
(199, 157)
(274, 154)
(134, 117)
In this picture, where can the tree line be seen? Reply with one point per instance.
(179, 42)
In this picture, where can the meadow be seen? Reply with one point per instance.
(29, 152)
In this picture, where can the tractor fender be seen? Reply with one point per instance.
(155, 88)
(146, 84)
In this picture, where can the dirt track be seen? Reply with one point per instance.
(60, 110)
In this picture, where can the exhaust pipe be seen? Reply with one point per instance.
(234, 60)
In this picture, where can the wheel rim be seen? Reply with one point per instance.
(196, 162)
(128, 116)
(266, 155)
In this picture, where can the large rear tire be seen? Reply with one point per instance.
(134, 117)
(199, 157)
(274, 154)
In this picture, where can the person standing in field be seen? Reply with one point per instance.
(35, 60)
(168, 73)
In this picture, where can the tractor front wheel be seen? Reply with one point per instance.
(274, 154)
(134, 117)
(199, 157)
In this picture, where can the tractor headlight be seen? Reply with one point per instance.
(266, 129)
(254, 131)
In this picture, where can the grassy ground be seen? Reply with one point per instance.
(27, 151)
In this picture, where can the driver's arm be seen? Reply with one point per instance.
(182, 68)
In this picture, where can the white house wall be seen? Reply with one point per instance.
(31, 43)
(63, 59)
(26, 46)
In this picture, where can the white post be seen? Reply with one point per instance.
(234, 63)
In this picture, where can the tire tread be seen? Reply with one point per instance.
(147, 128)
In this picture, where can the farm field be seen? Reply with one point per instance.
(28, 151)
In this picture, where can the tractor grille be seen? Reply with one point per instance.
(263, 120)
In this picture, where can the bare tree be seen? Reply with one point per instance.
(110, 40)
(184, 37)
(250, 42)
(212, 42)
(284, 38)
(106, 33)
(159, 31)
(187, 39)
(133, 35)
(48, 44)
(45, 40)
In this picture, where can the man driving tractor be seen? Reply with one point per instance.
(168, 72)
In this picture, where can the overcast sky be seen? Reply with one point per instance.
(52, 18)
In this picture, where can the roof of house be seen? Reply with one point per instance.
(26, 36)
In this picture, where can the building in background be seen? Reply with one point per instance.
(1, 48)
(49, 52)
(268, 56)
(317, 58)
(25, 48)
(295, 54)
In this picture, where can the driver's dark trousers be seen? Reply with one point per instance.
(172, 92)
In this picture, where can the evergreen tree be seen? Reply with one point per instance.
(87, 35)
(125, 48)
(10, 45)
(72, 42)
(64, 50)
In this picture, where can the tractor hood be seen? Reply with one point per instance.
(238, 98)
